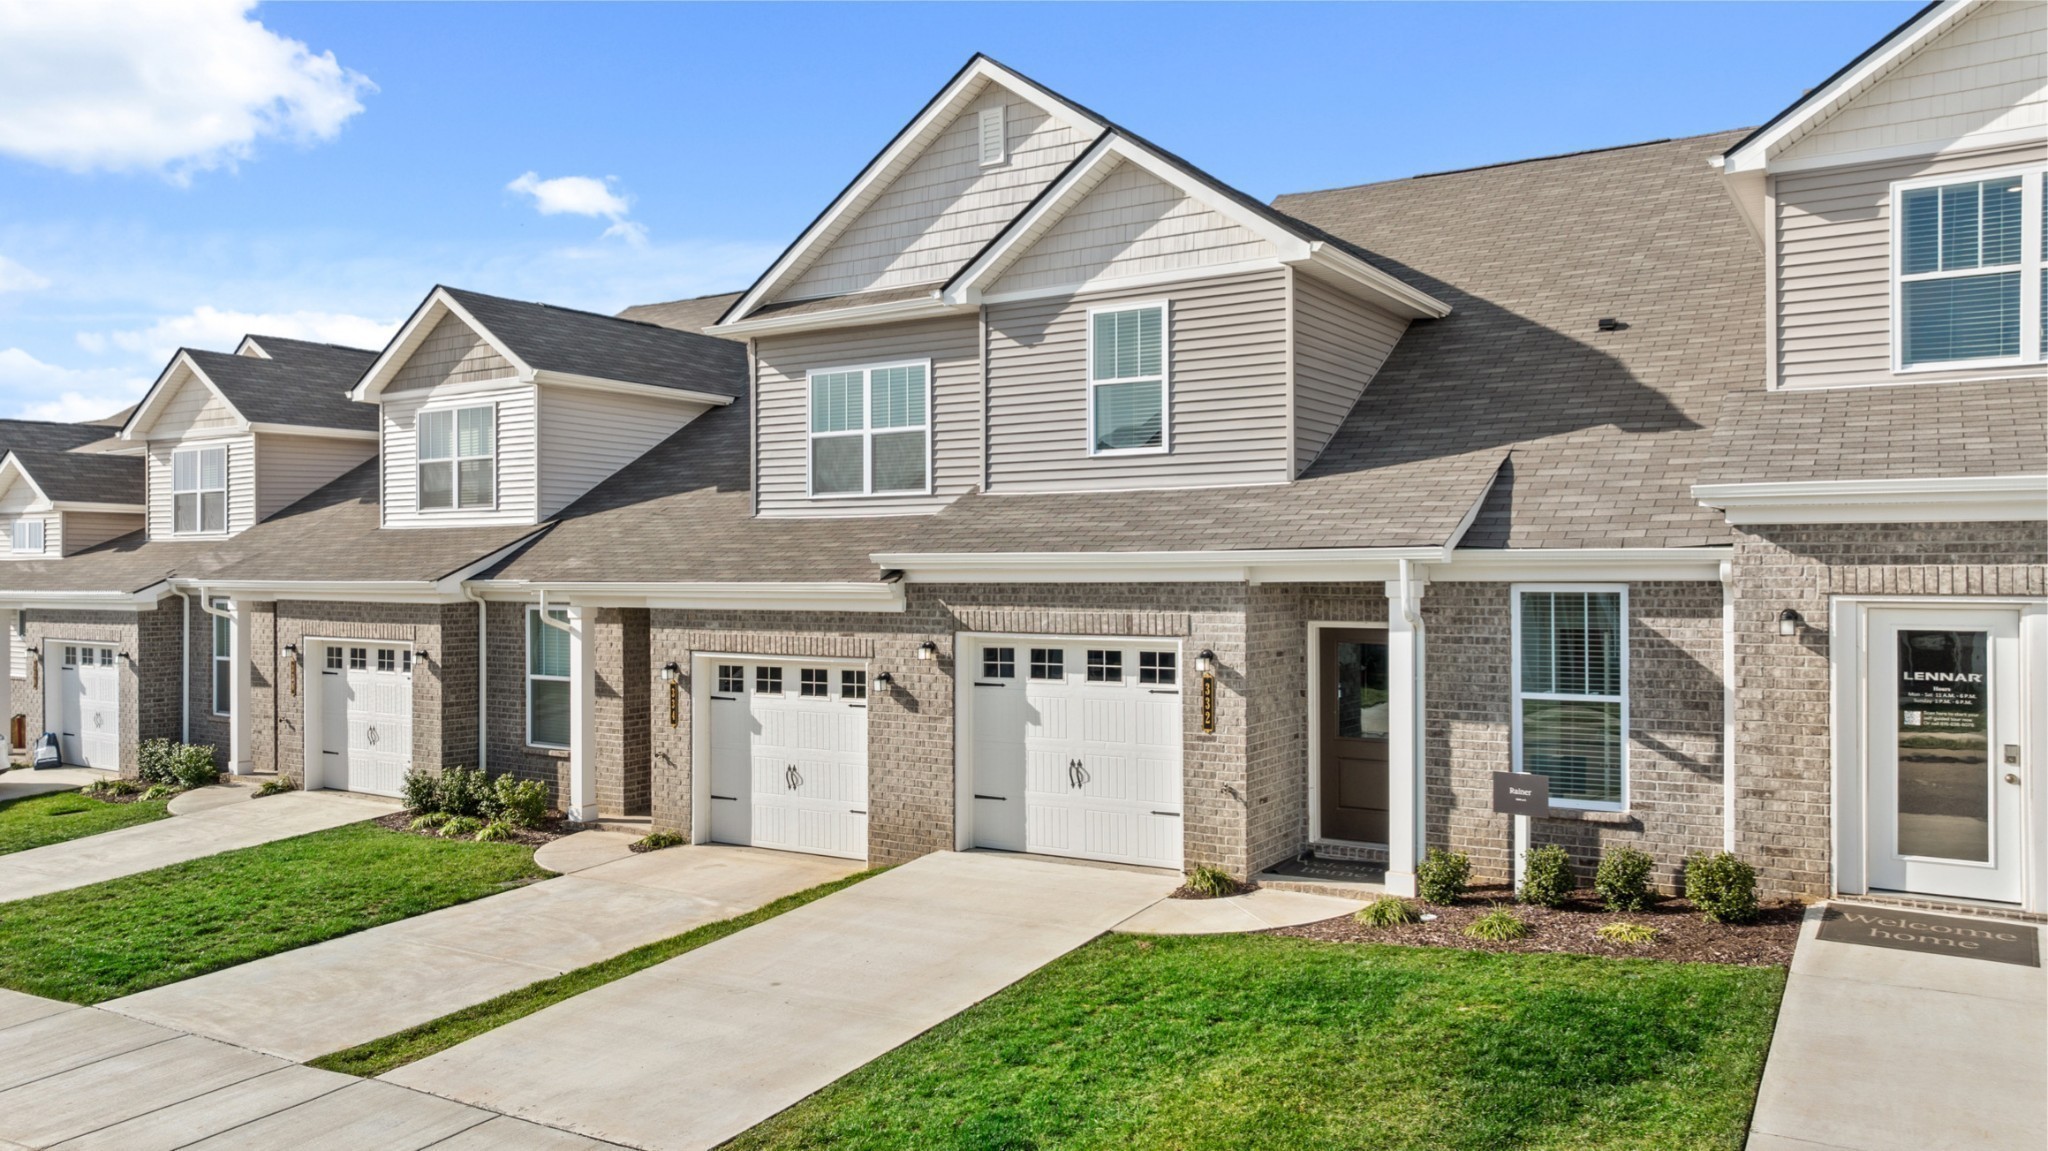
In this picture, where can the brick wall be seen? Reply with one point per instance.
(206, 726)
(148, 677)
(506, 698)
(1783, 744)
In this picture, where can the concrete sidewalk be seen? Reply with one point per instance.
(315, 1000)
(1886, 1050)
(698, 1049)
(22, 782)
(146, 847)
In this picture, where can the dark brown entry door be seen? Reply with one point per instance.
(1355, 714)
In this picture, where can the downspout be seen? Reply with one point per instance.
(237, 709)
(483, 678)
(1728, 705)
(185, 672)
(1418, 770)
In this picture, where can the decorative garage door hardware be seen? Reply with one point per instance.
(792, 777)
(997, 798)
(727, 798)
(1077, 774)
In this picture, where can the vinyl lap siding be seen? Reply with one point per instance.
(191, 407)
(453, 353)
(517, 487)
(585, 436)
(82, 530)
(782, 383)
(945, 205)
(1131, 224)
(241, 483)
(289, 468)
(1339, 345)
(1227, 364)
(1833, 268)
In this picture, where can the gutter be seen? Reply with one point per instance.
(1234, 566)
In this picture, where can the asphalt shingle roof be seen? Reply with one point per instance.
(46, 435)
(84, 477)
(128, 564)
(691, 315)
(610, 348)
(307, 388)
(1987, 428)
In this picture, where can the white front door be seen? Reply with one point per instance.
(1943, 729)
(88, 705)
(366, 717)
(789, 756)
(1077, 749)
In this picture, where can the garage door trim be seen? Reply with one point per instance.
(312, 695)
(703, 683)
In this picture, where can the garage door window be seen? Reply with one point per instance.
(732, 678)
(1157, 666)
(853, 685)
(547, 679)
(1048, 663)
(333, 659)
(1105, 666)
(768, 681)
(359, 659)
(999, 663)
(815, 682)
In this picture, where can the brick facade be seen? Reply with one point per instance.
(147, 641)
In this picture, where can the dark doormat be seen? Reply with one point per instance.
(1345, 870)
(1903, 930)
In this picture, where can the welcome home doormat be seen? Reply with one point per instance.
(1902, 930)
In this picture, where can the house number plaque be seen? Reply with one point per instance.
(1208, 703)
(674, 704)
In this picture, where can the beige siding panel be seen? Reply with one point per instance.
(945, 206)
(1834, 268)
(290, 468)
(1987, 74)
(82, 530)
(587, 435)
(453, 353)
(517, 485)
(1131, 224)
(782, 385)
(241, 483)
(1227, 365)
(191, 407)
(1339, 345)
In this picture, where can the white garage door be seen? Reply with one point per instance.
(789, 756)
(88, 705)
(365, 717)
(1077, 749)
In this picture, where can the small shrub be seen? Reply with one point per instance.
(519, 802)
(463, 791)
(1632, 934)
(1547, 879)
(1722, 887)
(461, 827)
(153, 761)
(1387, 911)
(158, 791)
(104, 787)
(1211, 882)
(277, 785)
(193, 765)
(429, 821)
(420, 791)
(1499, 926)
(1442, 876)
(1623, 879)
(656, 840)
(495, 832)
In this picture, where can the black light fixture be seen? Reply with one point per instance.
(1205, 659)
(884, 681)
(1789, 622)
(422, 655)
(292, 650)
(670, 673)
(925, 650)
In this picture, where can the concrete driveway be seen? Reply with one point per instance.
(698, 1049)
(23, 782)
(316, 1000)
(148, 846)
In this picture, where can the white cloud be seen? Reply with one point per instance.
(210, 327)
(123, 85)
(582, 196)
(69, 394)
(15, 278)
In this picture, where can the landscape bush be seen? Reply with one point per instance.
(153, 761)
(1387, 911)
(496, 831)
(429, 821)
(1547, 879)
(277, 785)
(1623, 879)
(1442, 876)
(105, 787)
(1633, 934)
(519, 802)
(463, 791)
(1211, 882)
(1499, 926)
(158, 791)
(657, 840)
(461, 827)
(420, 791)
(1722, 886)
(470, 792)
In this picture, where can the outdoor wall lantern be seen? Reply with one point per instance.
(1789, 622)
(885, 681)
(670, 673)
(1205, 659)
(925, 650)
(292, 650)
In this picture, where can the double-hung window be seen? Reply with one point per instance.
(458, 458)
(1127, 391)
(547, 679)
(1571, 693)
(27, 536)
(870, 430)
(1970, 271)
(223, 661)
(199, 490)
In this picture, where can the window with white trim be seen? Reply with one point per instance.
(1127, 392)
(28, 536)
(1971, 267)
(1571, 692)
(223, 661)
(870, 430)
(199, 490)
(458, 464)
(547, 679)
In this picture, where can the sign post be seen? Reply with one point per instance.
(1520, 794)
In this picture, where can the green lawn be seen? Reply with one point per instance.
(1266, 1042)
(40, 820)
(127, 935)
(414, 1043)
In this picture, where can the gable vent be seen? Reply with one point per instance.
(991, 135)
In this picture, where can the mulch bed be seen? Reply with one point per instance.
(555, 828)
(113, 796)
(1683, 937)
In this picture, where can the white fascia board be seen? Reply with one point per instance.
(329, 591)
(890, 312)
(1579, 565)
(86, 600)
(315, 431)
(625, 388)
(1819, 104)
(908, 143)
(1946, 499)
(98, 508)
(1275, 565)
(1330, 262)
(437, 304)
(249, 345)
(822, 596)
(146, 412)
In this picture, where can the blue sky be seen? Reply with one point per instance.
(311, 169)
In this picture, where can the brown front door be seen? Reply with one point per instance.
(1354, 753)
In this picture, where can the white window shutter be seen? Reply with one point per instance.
(992, 135)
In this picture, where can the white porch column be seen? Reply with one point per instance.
(241, 757)
(582, 799)
(1405, 744)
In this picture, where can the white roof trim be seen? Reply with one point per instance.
(1273, 565)
(90, 506)
(151, 407)
(1535, 565)
(12, 469)
(894, 310)
(316, 430)
(908, 144)
(1947, 499)
(438, 303)
(1823, 102)
(821, 596)
(249, 345)
(87, 600)
(332, 591)
(622, 387)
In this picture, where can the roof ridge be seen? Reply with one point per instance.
(1510, 163)
(310, 343)
(580, 311)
